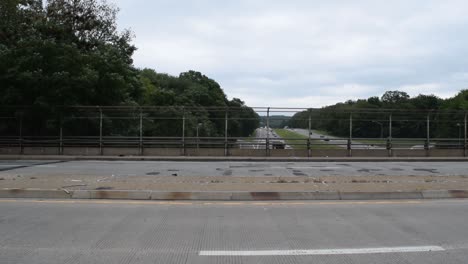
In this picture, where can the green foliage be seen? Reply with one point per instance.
(193, 89)
(276, 121)
(411, 124)
(69, 52)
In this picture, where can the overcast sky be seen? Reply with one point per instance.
(305, 53)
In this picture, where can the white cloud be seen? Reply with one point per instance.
(306, 52)
(428, 89)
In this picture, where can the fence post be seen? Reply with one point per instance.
(61, 137)
(389, 141)
(267, 142)
(21, 133)
(183, 131)
(350, 140)
(464, 137)
(427, 145)
(141, 132)
(309, 151)
(226, 133)
(100, 132)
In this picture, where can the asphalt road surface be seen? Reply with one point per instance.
(226, 168)
(260, 143)
(55, 231)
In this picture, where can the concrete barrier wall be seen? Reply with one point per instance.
(81, 151)
(409, 153)
(329, 153)
(205, 152)
(41, 150)
(370, 153)
(131, 151)
(162, 152)
(446, 152)
(120, 151)
(247, 152)
(288, 152)
(10, 150)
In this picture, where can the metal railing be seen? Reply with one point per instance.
(387, 122)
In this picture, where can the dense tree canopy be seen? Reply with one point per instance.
(371, 116)
(69, 52)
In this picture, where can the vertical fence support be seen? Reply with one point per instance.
(267, 142)
(183, 131)
(21, 134)
(226, 153)
(428, 136)
(141, 132)
(61, 137)
(389, 140)
(101, 152)
(464, 137)
(350, 139)
(309, 151)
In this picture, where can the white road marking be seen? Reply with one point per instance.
(311, 168)
(46, 166)
(9, 165)
(302, 252)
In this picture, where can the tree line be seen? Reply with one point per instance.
(70, 52)
(371, 116)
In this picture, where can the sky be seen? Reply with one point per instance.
(304, 53)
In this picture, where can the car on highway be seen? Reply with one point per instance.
(278, 145)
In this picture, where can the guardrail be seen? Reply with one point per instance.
(232, 146)
(184, 130)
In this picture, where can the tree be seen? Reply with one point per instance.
(66, 53)
(69, 52)
(394, 97)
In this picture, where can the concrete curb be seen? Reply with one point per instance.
(233, 158)
(35, 193)
(227, 196)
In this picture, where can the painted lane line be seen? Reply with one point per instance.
(302, 252)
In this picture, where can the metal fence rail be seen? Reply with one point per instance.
(133, 129)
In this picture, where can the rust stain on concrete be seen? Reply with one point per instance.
(179, 196)
(265, 196)
(459, 193)
(16, 190)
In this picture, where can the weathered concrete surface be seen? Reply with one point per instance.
(226, 195)
(81, 232)
(233, 180)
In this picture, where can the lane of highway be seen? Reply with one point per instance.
(57, 231)
(333, 140)
(260, 143)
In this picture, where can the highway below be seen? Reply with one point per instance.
(334, 140)
(74, 232)
(260, 139)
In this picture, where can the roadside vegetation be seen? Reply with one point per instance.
(371, 116)
(60, 53)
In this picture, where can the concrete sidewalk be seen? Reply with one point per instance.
(234, 187)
